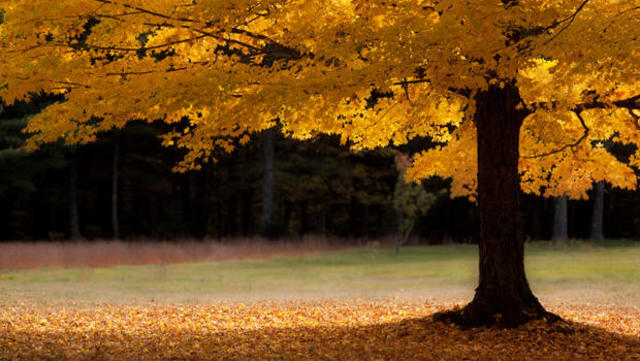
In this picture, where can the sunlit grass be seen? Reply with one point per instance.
(436, 271)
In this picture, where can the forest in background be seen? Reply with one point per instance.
(123, 186)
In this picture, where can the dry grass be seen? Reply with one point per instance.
(101, 253)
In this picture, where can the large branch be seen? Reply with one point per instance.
(632, 103)
(465, 92)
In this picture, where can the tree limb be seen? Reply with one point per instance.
(463, 92)
(570, 20)
(566, 146)
(628, 103)
(632, 103)
(515, 35)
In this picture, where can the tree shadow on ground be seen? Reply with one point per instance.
(411, 339)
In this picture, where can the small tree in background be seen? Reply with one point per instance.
(410, 201)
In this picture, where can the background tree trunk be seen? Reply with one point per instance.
(200, 223)
(74, 218)
(503, 295)
(560, 219)
(598, 213)
(186, 206)
(115, 225)
(268, 181)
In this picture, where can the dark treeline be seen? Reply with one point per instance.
(122, 186)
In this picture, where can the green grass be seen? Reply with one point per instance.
(608, 269)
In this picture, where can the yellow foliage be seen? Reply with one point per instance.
(232, 67)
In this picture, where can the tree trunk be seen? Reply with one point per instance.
(560, 219)
(200, 223)
(503, 295)
(365, 221)
(186, 208)
(115, 225)
(247, 207)
(598, 212)
(304, 218)
(536, 221)
(405, 233)
(268, 182)
(74, 218)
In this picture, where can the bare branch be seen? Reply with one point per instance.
(116, 16)
(516, 35)
(62, 82)
(213, 34)
(171, 70)
(123, 49)
(566, 146)
(405, 86)
(569, 20)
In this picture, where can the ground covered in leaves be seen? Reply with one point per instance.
(319, 330)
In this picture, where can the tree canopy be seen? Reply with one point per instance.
(520, 94)
(233, 67)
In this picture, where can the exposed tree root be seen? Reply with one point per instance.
(502, 314)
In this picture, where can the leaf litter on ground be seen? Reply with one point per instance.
(391, 329)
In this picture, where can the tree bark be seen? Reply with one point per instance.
(560, 219)
(246, 212)
(598, 213)
(268, 182)
(503, 295)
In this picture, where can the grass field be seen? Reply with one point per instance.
(608, 272)
(355, 304)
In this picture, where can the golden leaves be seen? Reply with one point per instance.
(456, 160)
(327, 330)
(232, 67)
(559, 155)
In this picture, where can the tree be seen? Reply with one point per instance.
(115, 223)
(21, 171)
(268, 182)
(518, 92)
(74, 214)
(410, 201)
(560, 219)
(598, 213)
(332, 189)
